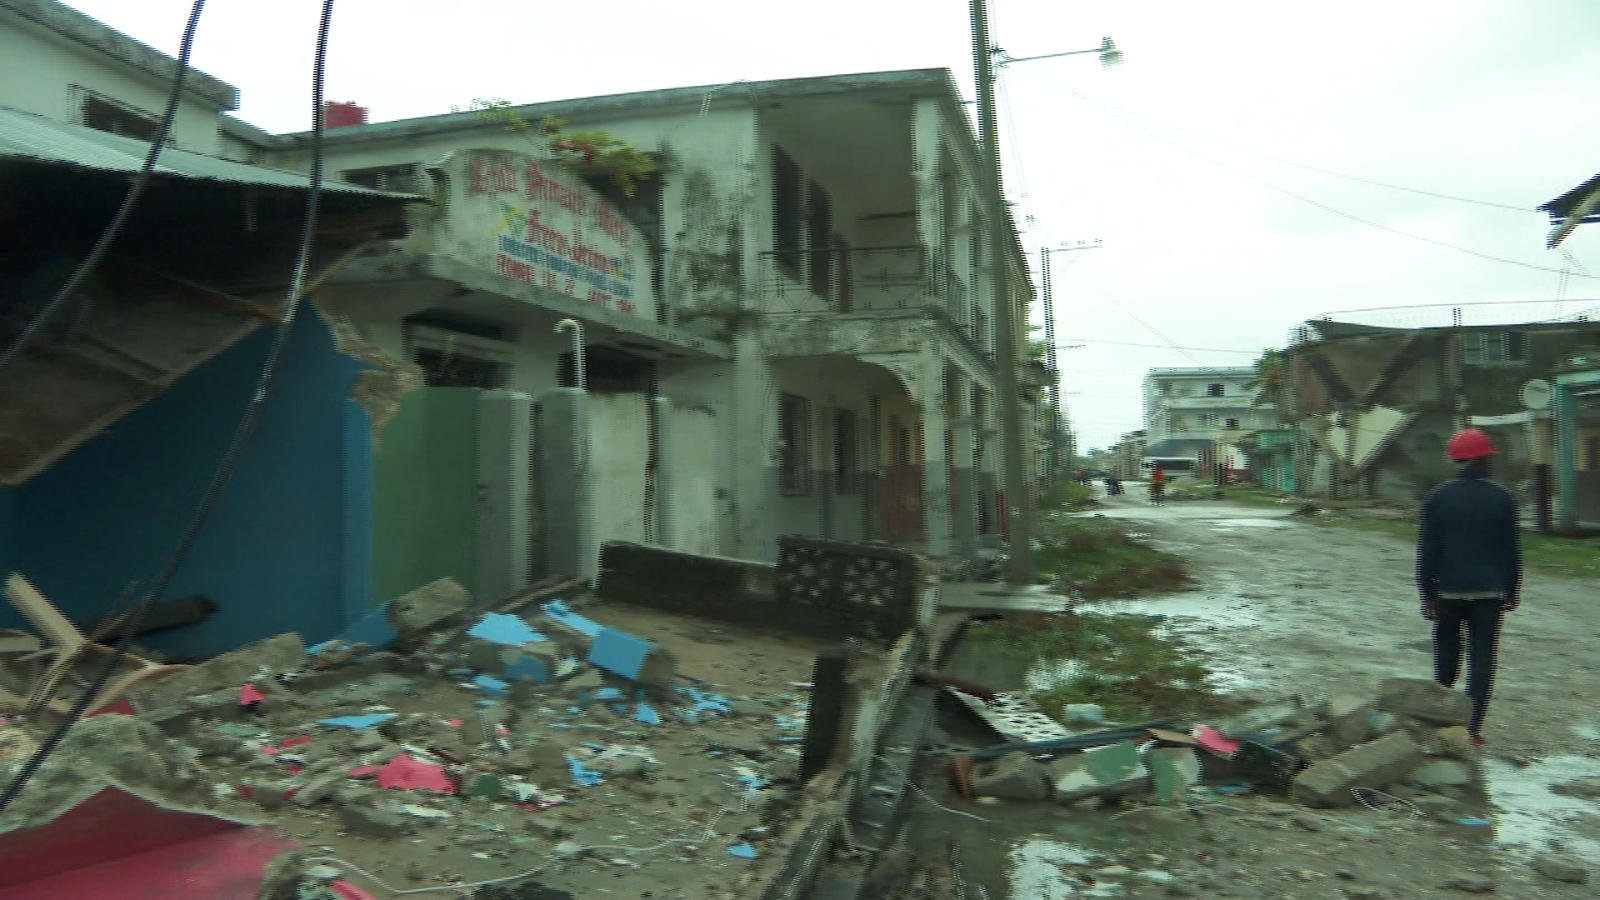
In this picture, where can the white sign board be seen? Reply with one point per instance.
(532, 220)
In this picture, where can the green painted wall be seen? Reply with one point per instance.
(425, 489)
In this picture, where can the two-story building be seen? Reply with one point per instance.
(787, 329)
(1196, 412)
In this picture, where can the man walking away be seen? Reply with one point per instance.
(1469, 569)
(1158, 485)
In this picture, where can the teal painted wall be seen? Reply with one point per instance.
(425, 490)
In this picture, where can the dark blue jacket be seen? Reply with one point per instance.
(1469, 540)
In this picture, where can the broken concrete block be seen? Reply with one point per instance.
(427, 606)
(321, 787)
(633, 658)
(1174, 770)
(1586, 788)
(1426, 700)
(280, 653)
(373, 821)
(1104, 774)
(1561, 867)
(542, 758)
(270, 794)
(1441, 773)
(1349, 720)
(1014, 776)
(1083, 713)
(1371, 765)
(1257, 721)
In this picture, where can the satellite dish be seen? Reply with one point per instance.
(1536, 394)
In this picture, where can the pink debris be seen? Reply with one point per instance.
(363, 771)
(249, 694)
(294, 770)
(295, 741)
(456, 723)
(1212, 740)
(271, 751)
(407, 774)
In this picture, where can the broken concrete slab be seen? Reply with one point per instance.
(1014, 776)
(1586, 788)
(1561, 867)
(427, 606)
(1174, 770)
(374, 821)
(633, 658)
(1105, 772)
(1370, 765)
(274, 655)
(1349, 720)
(1259, 721)
(1425, 700)
(1441, 773)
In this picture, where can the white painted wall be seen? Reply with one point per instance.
(692, 463)
(38, 70)
(618, 449)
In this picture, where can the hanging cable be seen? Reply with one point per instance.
(1289, 162)
(1304, 199)
(1136, 317)
(130, 200)
(236, 445)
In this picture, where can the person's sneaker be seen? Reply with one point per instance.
(1477, 740)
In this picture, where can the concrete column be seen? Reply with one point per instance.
(504, 438)
(755, 463)
(965, 437)
(570, 544)
(665, 464)
(930, 395)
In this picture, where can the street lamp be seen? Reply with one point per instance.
(1110, 56)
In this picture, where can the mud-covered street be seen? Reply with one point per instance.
(1288, 605)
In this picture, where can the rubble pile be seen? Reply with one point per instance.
(1407, 744)
(433, 745)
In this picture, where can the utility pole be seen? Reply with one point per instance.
(1019, 506)
(1056, 468)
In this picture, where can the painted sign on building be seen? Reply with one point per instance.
(534, 221)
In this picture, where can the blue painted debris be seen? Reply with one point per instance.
(504, 629)
(373, 629)
(491, 686)
(608, 693)
(704, 704)
(743, 851)
(582, 774)
(368, 721)
(753, 782)
(618, 652)
(558, 611)
(531, 668)
(646, 714)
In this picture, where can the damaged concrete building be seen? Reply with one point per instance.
(1375, 405)
(783, 328)
(122, 402)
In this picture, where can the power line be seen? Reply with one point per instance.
(1158, 347)
(241, 434)
(1135, 316)
(129, 200)
(1301, 197)
(1289, 162)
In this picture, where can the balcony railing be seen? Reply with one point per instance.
(874, 279)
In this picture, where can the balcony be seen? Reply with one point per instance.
(891, 282)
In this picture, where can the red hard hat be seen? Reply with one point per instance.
(1469, 443)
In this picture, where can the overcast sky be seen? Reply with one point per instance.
(1488, 100)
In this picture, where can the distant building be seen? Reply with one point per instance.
(1187, 410)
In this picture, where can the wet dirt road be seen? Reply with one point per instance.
(1286, 605)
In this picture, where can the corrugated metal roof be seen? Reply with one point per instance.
(25, 136)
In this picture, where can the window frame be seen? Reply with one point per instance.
(794, 445)
(846, 452)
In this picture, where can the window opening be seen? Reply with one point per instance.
(794, 445)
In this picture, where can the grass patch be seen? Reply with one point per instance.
(1239, 496)
(1117, 661)
(1546, 553)
(1096, 559)
(1066, 496)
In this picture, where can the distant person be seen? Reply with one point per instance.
(1469, 569)
(1158, 485)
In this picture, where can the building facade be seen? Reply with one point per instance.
(787, 329)
(1194, 413)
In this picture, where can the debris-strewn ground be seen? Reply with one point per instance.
(598, 785)
(1287, 607)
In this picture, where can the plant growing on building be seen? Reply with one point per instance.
(577, 150)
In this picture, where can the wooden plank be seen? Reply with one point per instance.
(46, 619)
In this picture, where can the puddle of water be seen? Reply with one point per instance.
(1528, 813)
(1035, 870)
(1226, 524)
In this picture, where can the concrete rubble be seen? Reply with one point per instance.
(545, 748)
(1406, 741)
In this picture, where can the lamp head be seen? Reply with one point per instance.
(1110, 56)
